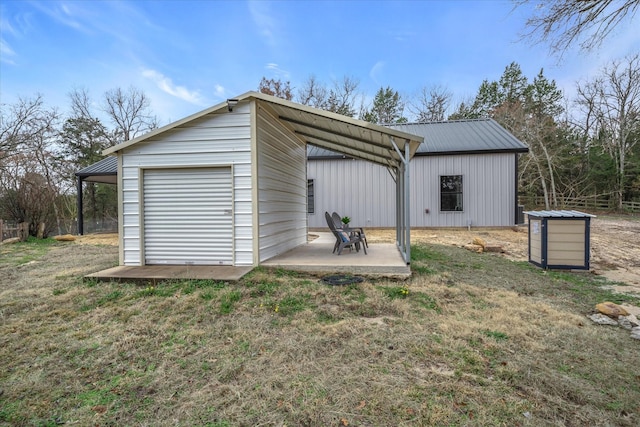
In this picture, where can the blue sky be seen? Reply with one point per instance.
(189, 55)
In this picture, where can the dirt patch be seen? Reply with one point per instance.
(110, 239)
(615, 246)
(615, 250)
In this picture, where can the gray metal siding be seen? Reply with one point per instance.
(187, 216)
(363, 191)
(282, 187)
(366, 192)
(488, 190)
(218, 139)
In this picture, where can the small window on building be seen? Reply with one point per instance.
(311, 203)
(451, 193)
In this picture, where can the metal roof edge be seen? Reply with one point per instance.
(165, 128)
(333, 116)
(460, 152)
(416, 139)
(559, 214)
(86, 174)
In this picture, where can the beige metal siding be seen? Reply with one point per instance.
(218, 139)
(282, 187)
(366, 192)
(566, 242)
(187, 216)
(535, 240)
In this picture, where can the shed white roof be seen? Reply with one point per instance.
(335, 132)
(559, 214)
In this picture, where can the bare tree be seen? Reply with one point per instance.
(31, 170)
(562, 23)
(80, 104)
(341, 98)
(275, 87)
(431, 104)
(610, 104)
(313, 93)
(19, 123)
(129, 111)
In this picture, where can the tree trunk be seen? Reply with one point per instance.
(543, 181)
(552, 181)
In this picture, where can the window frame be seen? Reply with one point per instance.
(311, 197)
(457, 193)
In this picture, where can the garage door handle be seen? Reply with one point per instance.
(228, 212)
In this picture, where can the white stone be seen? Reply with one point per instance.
(601, 319)
(625, 322)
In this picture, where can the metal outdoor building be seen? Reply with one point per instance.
(105, 171)
(481, 152)
(559, 239)
(228, 185)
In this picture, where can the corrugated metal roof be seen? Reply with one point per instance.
(452, 137)
(104, 170)
(559, 214)
(335, 132)
(106, 166)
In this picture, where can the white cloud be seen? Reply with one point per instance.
(376, 70)
(276, 70)
(166, 85)
(263, 20)
(219, 91)
(403, 35)
(6, 53)
(62, 13)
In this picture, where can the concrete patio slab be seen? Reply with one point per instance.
(159, 273)
(315, 257)
(381, 260)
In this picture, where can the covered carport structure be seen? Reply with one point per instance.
(104, 171)
(357, 139)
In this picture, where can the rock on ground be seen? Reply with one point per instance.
(601, 319)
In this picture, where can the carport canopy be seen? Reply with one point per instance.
(104, 171)
(354, 138)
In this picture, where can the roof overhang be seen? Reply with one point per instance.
(351, 137)
(105, 171)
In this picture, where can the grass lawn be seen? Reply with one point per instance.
(470, 339)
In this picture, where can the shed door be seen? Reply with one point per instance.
(187, 216)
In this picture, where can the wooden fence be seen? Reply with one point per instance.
(583, 203)
(10, 230)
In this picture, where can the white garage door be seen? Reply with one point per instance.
(187, 216)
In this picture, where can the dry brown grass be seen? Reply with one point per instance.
(477, 340)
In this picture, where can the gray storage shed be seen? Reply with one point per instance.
(559, 239)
